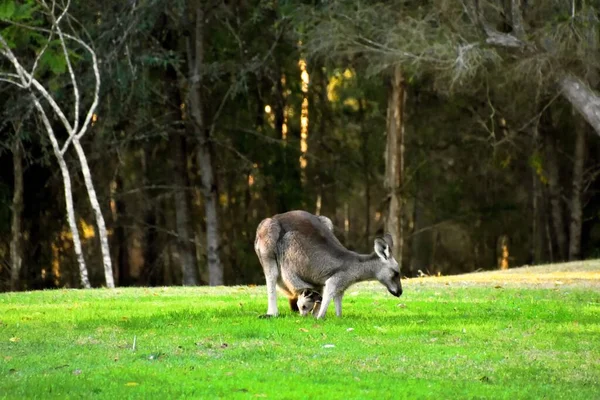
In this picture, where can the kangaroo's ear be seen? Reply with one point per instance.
(316, 296)
(388, 238)
(326, 221)
(382, 249)
(305, 293)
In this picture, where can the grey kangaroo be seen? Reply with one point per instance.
(298, 251)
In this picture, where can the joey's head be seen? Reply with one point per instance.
(309, 301)
(389, 273)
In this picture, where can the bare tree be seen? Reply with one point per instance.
(76, 130)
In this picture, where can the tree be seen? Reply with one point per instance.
(557, 40)
(394, 166)
(203, 133)
(16, 243)
(576, 206)
(26, 80)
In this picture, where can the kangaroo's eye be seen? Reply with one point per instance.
(304, 307)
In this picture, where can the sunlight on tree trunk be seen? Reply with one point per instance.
(346, 224)
(318, 204)
(281, 110)
(305, 79)
(502, 251)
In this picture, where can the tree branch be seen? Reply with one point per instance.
(70, 129)
(69, 65)
(584, 99)
(27, 79)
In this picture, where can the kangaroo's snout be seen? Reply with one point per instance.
(396, 292)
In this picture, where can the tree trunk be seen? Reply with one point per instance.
(549, 239)
(119, 239)
(578, 93)
(576, 206)
(189, 270)
(150, 272)
(204, 155)
(366, 158)
(16, 250)
(83, 273)
(215, 268)
(100, 224)
(536, 195)
(421, 239)
(556, 199)
(395, 161)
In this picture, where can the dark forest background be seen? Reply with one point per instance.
(469, 123)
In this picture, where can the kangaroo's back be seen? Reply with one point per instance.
(308, 248)
(312, 231)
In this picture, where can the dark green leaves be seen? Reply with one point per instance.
(22, 12)
(7, 9)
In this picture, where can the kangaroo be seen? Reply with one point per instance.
(309, 301)
(293, 297)
(298, 251)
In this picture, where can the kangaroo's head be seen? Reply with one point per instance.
(389, 273)
(309, 301)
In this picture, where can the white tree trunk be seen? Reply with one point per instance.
(103, 236)
(83, 273)
(26, 80)
(204, 156)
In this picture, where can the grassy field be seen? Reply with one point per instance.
(533, 333)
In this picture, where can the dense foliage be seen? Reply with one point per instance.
(499, 162)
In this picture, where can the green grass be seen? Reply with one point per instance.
(436, 341)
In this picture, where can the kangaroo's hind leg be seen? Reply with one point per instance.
(265, 245)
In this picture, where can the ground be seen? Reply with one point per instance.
(524, 333)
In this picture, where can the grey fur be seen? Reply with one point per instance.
(298, 251)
